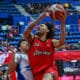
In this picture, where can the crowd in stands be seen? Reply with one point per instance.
(10, 33)
(37, 8)
(71, 46)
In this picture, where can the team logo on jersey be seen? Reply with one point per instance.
(37, 53)
(36, 44)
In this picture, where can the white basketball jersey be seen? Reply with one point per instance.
(23, 68)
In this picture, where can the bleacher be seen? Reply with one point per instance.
(71, 25)
(10, 9)
(4, 35)
(76, 2)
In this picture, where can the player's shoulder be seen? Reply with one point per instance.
(55, 40)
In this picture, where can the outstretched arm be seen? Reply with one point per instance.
(27, 31)
(60, 42)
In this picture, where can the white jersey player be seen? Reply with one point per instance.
(23, 69)
(20, 62)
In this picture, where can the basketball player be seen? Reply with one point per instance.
(41, 52)
(20, 62)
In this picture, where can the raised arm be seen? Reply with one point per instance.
(60, 42)
(27, 31)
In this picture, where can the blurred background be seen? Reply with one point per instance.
(15, 15)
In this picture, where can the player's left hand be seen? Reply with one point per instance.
(63, 17)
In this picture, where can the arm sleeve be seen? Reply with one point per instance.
(17, 58)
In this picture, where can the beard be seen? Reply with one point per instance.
(40, 34)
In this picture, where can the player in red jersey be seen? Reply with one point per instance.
(41, 52)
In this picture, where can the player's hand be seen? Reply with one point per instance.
(63, 17)
(44, 12)
(42, 15)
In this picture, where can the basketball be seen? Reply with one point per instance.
(56, 11)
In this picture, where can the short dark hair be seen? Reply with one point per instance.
(19, 43)
(51, 32)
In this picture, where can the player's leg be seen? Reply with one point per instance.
(48, 76)
(50, 73)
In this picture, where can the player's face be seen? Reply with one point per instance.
(24, 45)
(42, 29)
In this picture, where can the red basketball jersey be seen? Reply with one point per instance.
(41, 55)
